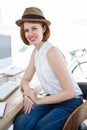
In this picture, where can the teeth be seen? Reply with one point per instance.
(32, 38)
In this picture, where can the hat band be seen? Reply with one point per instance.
(32, 16)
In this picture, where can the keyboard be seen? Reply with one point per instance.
(7, 89)
(13, 71)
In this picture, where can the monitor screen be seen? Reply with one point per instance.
(5, 51)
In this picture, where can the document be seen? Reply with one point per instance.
(2, 109)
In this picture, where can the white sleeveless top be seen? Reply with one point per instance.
(48, 79)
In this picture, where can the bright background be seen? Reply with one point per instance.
(68, 28)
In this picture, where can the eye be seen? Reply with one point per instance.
(26, 30)
(34, 28)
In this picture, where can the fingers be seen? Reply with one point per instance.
(27, 105)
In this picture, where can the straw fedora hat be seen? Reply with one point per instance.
(32, 14)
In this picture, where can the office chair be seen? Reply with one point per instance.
(79, 115)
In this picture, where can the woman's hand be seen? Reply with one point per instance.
(32, 95)
(28, 104)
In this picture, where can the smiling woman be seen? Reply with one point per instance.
(63, 94)
(68, 31)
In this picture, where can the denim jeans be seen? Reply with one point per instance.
(47, 117)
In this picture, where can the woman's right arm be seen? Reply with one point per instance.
(28, 75)
(25, 86)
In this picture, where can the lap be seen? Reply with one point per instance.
(52, 115)
(55, 119)
(25, 121)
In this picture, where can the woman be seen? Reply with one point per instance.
(62, 92)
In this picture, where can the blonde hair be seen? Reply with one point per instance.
(46, 35)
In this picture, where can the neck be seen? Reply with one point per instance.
(39, 45)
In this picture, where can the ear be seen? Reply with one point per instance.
(44, 29)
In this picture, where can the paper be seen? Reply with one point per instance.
(2, 108)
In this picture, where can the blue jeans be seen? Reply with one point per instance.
(47, 117)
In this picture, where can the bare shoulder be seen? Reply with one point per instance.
(55, 52)
(31, 60)
(33, 52)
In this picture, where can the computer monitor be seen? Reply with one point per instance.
(5, 51)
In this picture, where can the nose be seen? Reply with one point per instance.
(30, 32)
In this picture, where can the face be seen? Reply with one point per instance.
(34, 33)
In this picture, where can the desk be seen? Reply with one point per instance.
(14, 105)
